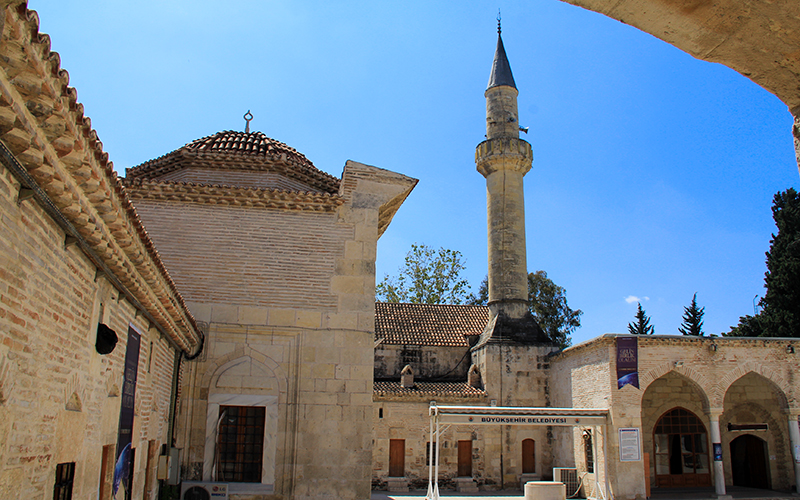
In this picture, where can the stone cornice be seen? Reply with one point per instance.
(43, 125)
(232, 196)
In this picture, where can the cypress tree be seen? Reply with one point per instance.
(692, 319)
(642, 325)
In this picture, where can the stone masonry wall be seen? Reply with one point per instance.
(727, 375)
(428, 362)
(289, 302)
(59, 398)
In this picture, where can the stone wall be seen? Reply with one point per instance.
(730, 376)
(428, 362)
(289, 299)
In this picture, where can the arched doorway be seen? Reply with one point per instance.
(749, 462)
(681, 450)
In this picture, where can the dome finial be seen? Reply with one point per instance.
(499, 29)
(246, 119)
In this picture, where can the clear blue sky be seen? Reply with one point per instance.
(653, 173)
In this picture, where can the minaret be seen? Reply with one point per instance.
(504, 159)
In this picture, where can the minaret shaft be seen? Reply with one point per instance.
(504, 159)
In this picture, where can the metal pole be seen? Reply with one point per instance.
(429, 496)
(436, 471)
(605, 461)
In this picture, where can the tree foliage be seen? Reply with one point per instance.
(642, 325)
(692, 319)
(427, 276)
(548, 305)
(780, 313)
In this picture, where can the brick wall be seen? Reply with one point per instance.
(241, 178)
(60, 398)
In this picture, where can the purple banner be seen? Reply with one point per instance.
(123, 470)
(627, 362)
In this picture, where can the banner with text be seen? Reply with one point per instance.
(627, 362)
(500, 419)
(122, 470)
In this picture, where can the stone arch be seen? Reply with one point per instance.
(757, 39)
(757, 405)
(699, 380)
(765, 371)
(219, 365)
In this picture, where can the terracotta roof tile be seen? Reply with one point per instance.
(238, 150)
(428, 324)
(460, 389)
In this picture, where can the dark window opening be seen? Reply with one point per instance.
(240, 444)
(380, 412)
(65, 475)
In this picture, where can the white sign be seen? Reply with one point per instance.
(522, 419)
(629, 449)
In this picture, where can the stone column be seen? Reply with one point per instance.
(794, 439)
(716, 445)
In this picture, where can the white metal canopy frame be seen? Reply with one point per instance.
(506, 415)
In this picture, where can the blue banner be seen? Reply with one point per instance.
(123, 469)
(627, 362)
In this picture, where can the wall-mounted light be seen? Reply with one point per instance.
(790, 349)
(712, 348)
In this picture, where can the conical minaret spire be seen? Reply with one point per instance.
(504, 159)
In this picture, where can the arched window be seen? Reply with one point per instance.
(681, 450)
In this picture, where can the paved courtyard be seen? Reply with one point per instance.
(736, 493)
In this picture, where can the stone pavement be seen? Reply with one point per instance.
(735, 492)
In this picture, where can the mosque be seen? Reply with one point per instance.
(208, 323)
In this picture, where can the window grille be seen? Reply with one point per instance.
(240, 444)
(65, 475)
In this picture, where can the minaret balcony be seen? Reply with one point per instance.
(503, 153)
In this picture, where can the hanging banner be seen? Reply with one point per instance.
(123, 470)
(627, 362)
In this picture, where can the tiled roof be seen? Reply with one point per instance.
(62, 153)
(428, 324)
(460, 389)
(238, 150)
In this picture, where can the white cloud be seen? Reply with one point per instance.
(631, 299)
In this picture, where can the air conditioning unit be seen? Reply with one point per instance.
(191, 490)
(568, 476)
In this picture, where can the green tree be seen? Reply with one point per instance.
(427, 276)
(642, 325)
(483, 294)
(780, 306)
(548, 305)
(692, 319)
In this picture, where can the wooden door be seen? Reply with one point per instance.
(107, 471)
(465, 458)
(528, 456)
(397, 457)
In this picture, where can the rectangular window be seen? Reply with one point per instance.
(65, 475)
(240, 444)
